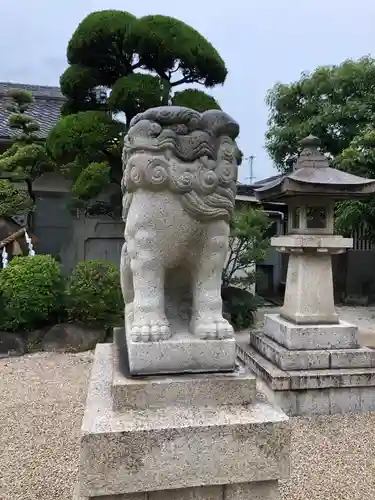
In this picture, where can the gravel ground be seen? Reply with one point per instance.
(332, 458)
(42, 403)
(41, 408)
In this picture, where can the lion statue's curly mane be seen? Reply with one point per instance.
(206, 174)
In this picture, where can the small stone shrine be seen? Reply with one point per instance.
(171, 414)
(308, 361)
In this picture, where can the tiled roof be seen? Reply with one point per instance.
(45, 109)
(248, 189)
(245, 190)
(262, 182)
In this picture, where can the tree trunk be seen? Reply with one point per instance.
(166, 92)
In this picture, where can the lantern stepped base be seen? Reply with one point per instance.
(341, 335)
(201, 436)
(311, 381)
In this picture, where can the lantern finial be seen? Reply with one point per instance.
(311, 142)
(310, 156)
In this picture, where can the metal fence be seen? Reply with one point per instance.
(361, 241)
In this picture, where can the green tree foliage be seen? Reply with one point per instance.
(12, 200)
(25, 161)
(337, 104)
(27, 158)
(88, 147)
(120, 63)
(358, 159)
(18, 119)
(248, 244)
(90, 181)
(195, 99)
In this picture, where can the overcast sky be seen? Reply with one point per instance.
(261, 41)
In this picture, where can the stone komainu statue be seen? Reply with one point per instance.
(179, 187)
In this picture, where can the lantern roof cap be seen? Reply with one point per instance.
(312, 176)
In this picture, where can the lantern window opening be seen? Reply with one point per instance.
(316, 217)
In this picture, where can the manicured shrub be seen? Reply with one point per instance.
(31, 292)
(93, 294)
(240, 305)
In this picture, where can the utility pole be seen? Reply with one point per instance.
(250, 160)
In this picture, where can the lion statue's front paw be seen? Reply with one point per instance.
(150, 331)
(217, 329)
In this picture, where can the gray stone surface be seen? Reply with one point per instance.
(314, 402)
(277, 379)
(11, 344)
(181, 354)
(312, 392)
(126, 496)
(341, 377)
(288, 359)
(66, 337)
(363, 357)
(234, 388)
(199, 493)
(309, 288)
(299, 337)
(176, 446)
(266, 490)
(304, 379)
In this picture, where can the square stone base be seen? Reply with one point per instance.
(177, 449)
(203, 389)
(183, 353)
(311, 391)
(311, 337)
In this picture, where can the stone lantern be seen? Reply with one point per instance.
(308, 360)
(310, 191)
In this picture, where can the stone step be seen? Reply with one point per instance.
(277, 379)
(313, 337)
(312, 392)
(205, 389)
(287, 359)
(304, 379)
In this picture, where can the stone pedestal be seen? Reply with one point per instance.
(308, 361)
(311, 369)
(308, 302)
(182, 353)
(309, 286)
(201, 436)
